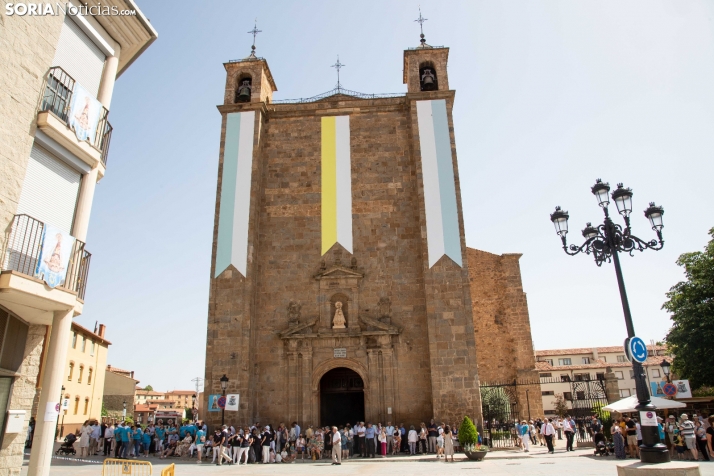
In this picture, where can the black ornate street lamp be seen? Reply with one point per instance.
(605, 242)
(224, 385)
(665, 368)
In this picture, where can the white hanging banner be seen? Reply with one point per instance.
(232, 402)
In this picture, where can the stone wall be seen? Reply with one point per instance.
(504, 345)
(21, 398)
(27, 47)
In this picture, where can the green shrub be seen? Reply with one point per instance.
(468, 435)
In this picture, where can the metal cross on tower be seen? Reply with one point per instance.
(337, 66)
(421, 21)
(254, 32)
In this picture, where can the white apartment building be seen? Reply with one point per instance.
(57, 74)
(560, 367)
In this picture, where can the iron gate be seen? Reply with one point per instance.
(502, 408)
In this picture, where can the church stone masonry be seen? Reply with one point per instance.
(408, 346)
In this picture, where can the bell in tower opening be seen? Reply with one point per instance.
(427, 78)
(244, 90)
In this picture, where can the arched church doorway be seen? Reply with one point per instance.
(341, 397)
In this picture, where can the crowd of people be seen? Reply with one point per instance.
(686, 438)
(265, 444)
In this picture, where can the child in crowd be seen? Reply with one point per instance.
(300, 446)
(679, 444)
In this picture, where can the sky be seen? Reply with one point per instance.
(550, 95)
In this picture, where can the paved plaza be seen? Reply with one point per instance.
(581, 462)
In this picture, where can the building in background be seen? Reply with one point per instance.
(119, 393)
(85, 370)
(147, 396)
(559, 368)
(183, 398)
(57, 77)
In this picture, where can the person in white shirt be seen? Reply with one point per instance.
(559, 426)
(336, 446)
(94, 437)
(569, 429)
(412, 438)
(548, 432)
(390, 437)
(109, 440)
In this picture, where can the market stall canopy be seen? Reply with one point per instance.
(628, 404)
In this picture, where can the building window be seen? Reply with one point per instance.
(565, 378)
(581, 377)
(74, 340)
(621, 358)
(76, 405)
(71, 371)
(564, 362)
(84, 343)
(86, 405)
(604, 359)
(89, 376)
(625, 392)
(600, 376)
(91, 348)
(549, 361)
(619, 375)
(81, 371)
(586, 360)
(632, 374)
(547, 392)
(655, 373)
(568, 396)
(546, 375)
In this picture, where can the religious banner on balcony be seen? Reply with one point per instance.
(55, 253)
(84, 114)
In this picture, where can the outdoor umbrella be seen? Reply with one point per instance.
(628, 404)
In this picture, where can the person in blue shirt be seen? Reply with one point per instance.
(191, 428)
(126, 441)
(146, 443)
(200, 441)
(160, 433)
(523, 430)
(182, 432)
(118, 432)
(136, 435)
(369, 440)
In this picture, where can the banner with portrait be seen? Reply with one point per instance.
(213, 403)
(55, 254)
(84, 114)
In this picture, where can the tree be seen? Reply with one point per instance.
(691, 303)
(149, 388)
(104, 410)
(468, 435)
(560, 406)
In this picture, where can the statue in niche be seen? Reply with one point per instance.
(353, 263)
(385, 307)
(339, 321)
(294, 313)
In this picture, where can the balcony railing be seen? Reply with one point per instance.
(23, 252)
(57, 99)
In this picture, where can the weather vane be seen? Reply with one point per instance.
(421, 21)
(337, 66)
(254, 32)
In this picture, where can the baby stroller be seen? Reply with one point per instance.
(67, 447)
(601, 445)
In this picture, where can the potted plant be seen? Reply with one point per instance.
(468, 438)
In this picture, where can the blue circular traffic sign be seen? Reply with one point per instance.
(637, 350)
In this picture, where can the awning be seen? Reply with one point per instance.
(628, 404)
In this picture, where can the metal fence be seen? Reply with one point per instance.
(502, 409)
(169, 470)
(121, 467)
(57, 99)
(24, 245)
(336, 91)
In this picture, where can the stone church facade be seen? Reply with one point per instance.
(352, 202)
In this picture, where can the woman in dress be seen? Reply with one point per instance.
(84, 433)
(383, 442)
(422, 438)
(448, 444)
(618, 440)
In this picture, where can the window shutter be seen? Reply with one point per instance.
(49, 192)
(78, 55)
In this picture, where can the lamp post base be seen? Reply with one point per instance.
(654, 454)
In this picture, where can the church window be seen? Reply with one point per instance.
(244, 88)
(427, 77)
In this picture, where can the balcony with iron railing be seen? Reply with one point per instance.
(57, 101)
(22, 254)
